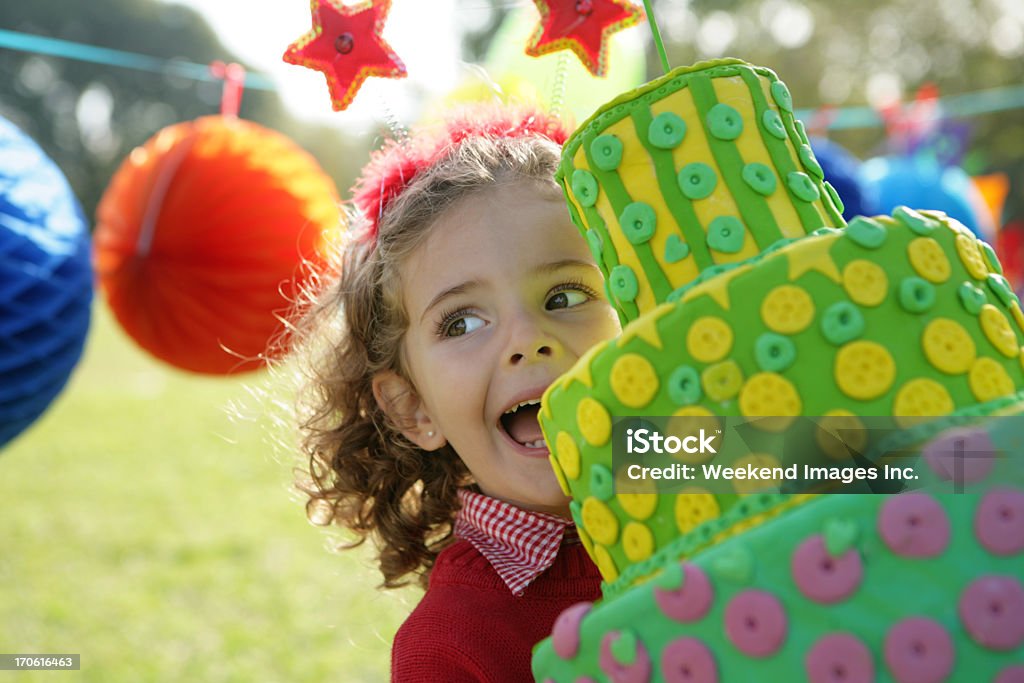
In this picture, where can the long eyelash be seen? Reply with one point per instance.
(575, 283)
(448, 316)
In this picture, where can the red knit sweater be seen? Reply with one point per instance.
(469, 627)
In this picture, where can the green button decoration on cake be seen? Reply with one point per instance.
(772, 122)
(760, 178)
(972, 297)
(697, 180)
(666, 130)
(638, 222)
(725, 234)
(724, 122)
(607, 152)
(866, 232)
(774, 352)
(584, 186)
(801, 185)
(916, 294)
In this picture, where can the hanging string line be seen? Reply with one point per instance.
(966, 105)
(56, 47)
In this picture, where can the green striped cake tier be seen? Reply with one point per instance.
(702, 167)
(905, 316)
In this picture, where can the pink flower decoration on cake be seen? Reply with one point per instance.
(992, 610)
(1011, 674)
(963, 456)
(918, 650)
(691, 601)
(822, 577)
(839, 658)
(637, 671)
(565, 636)
(756, 623)
(914, 525)
(688, 660)
(999, 521)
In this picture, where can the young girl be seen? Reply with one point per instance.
(464, 291)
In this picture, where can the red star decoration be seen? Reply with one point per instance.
(346, 45)
(582, 26)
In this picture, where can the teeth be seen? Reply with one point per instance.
(531, 402)
(539, 443)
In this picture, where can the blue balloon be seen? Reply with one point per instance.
(46, 281)
(841, 169)
(921, 183)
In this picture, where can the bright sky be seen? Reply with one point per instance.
(259, 31)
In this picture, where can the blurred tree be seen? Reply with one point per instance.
(871, 52)
(88, 117)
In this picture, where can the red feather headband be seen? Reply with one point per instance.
(392, 168)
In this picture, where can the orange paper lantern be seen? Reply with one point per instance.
(202, 236)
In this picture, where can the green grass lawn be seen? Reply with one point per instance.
(146, 528)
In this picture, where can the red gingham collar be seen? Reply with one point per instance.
(518, 543)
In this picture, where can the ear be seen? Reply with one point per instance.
(400, 402)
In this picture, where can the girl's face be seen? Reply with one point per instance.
(502, 298)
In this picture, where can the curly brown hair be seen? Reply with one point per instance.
(363, 474)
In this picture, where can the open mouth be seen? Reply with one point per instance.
(520, 423)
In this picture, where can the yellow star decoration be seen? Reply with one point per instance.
(812, 254)
(718, 287)
(581, 371)
(646, 327)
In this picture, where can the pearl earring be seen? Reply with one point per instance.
(430, 434)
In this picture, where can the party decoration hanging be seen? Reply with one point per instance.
(921, 181)
(45, 281)
(201, 239)
(582, 26)
(346, 45)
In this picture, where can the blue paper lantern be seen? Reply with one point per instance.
(46, 281)
(921, 182)
(841, 169)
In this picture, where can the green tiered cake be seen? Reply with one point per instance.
(744, 294)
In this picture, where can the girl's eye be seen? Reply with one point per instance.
(567, 299)
(460, 324)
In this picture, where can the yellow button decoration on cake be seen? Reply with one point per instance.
(838, 432)
(770, 394)
(690, 420)
(1018, 315)
(709, 339)
(633, 380)
(989, 380)
(864, 370)
(605, 563)
(865, 282)
(593, 421)
(948, 346)
(970, 256)
(921, 398)
(694, 506)
(997, 329)
(568, 454)
(600, 521)
(637, 542)
(722, 381)
(638, 505)
(787, 309)
(928, 259)
(756, 461)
